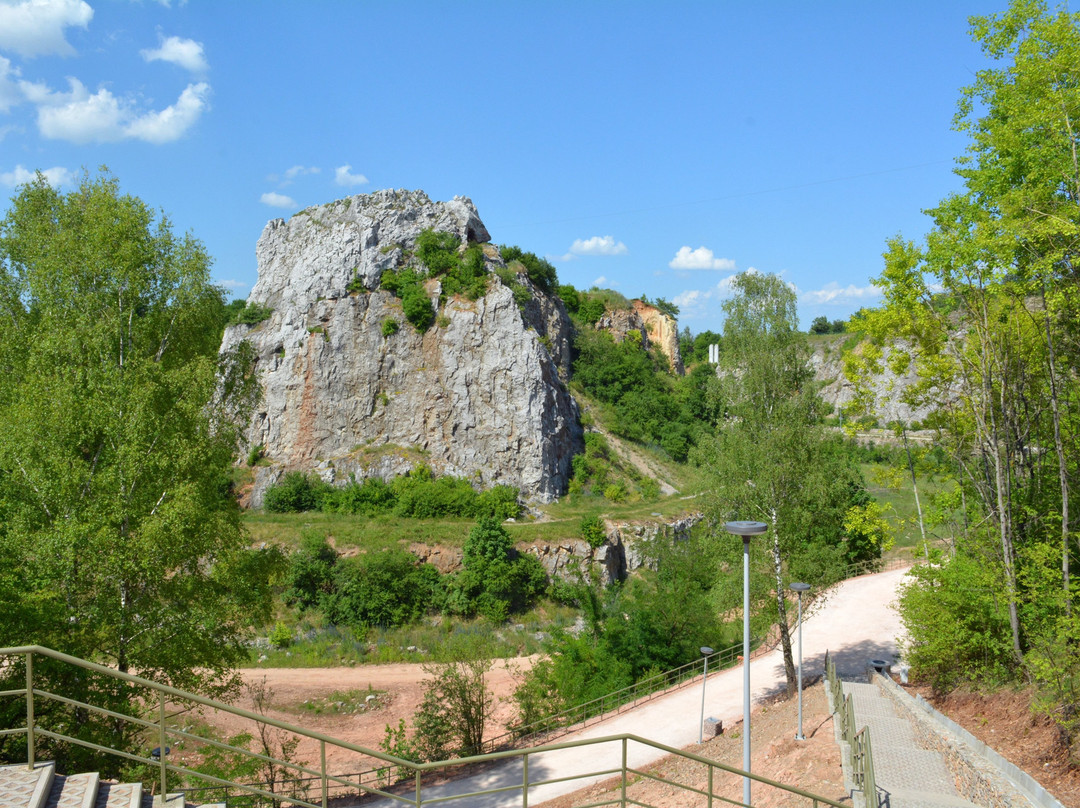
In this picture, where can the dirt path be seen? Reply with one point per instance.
(400, 691)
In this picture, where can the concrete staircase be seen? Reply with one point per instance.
(42, 787)
(907, 776)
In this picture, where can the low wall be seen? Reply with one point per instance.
(982, 775)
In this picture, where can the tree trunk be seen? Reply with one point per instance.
(781, 614)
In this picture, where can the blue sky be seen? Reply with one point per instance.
(650, 148)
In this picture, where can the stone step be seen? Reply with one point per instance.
(73, 791)
(25, 788)
(921, 799)
(119, 795)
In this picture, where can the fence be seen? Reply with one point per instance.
(860, 752)
(527, 771)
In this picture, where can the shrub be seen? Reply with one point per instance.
(387, 588)
(417, 307)
(570, 297)
(309, 576)
(293, 493)
(540, 271)
(438, 250)
(592, 530)
(390, 326)
(591, 310)
(252, 314)
(280, 636)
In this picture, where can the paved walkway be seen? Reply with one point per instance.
(907, 775)
(856, 622)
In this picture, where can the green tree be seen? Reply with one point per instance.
(457, 704)
(118, 427)
(771, 460)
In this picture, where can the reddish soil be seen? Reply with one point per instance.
(811, 765)
(401, 690)
(1003, 721)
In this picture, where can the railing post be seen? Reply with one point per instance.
(623, 800)
(525, 780)
(30, 741)
(711, 770)
(322, 758)
(418, 803)
(161, 748)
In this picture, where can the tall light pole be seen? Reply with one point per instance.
(800, 588)
(747, 530)
(706, 652)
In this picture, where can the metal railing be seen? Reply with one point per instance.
(602, 708)
(156, 724)
(860, 753)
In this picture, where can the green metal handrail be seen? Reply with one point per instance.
(860, 753)
(613, 703)
(161, 694)
(862, 766)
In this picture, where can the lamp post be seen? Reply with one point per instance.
(706, 652)
(747, 530)
(800, 588)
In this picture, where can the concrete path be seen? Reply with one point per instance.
(856, 622)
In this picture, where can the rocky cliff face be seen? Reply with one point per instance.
(477, 395)
(652, 326)
(827, 363)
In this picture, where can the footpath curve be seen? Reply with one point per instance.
(856, 621)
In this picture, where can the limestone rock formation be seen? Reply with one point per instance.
(888, 388)
(477, 395)
(651, 326)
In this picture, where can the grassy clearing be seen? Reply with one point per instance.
(891, 487)
(320, 645)
(341, 702)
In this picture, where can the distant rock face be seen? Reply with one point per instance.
(478, 395)
(888, 388)
(652, 326)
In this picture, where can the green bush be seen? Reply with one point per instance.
(591, 310)
(417, 307)
(280, 636)
(540, 271)
(309, 576)
(593, 531)
(387, 588)
(390, 327)
(252, 314)
(294, 493)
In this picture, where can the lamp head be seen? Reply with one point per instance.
(706, 650)
(799, 587)
(746, 529)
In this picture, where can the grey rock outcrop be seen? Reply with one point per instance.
(649, 325)
(887, 387)
(478, 395)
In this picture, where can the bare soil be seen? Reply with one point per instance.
(811, 765)
(1004, 721)
(400, 688)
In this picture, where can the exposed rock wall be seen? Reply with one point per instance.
(651, 326)
(827, 363)
(478, 395)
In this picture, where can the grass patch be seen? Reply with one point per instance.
(342, 702)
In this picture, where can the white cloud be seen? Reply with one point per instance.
(600, 282)
(833, 293)
(343, 176)
(299, 171)
(701, 258)
(9, 90)
(276, 200)
(597, 245)
(36, 27)
(56, 176)
(81, 117)
(172, 122)
(187, 53)
(231, 284)
(687, 299)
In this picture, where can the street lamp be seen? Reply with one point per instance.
(746, 530)
(800, 588)
(706, 652)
